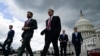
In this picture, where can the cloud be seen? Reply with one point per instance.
(68, 10)
(4, 28)
(36, 40)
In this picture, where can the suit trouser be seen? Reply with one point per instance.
(63, 48)
(77, 49)
(8, 44)
(47, 44)
(26, 44)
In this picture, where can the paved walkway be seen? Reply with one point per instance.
(82, 54)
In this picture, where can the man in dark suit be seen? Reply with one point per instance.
(29, 27)
(63, 43)
(52, 31)
(8, 41)
(77, 41)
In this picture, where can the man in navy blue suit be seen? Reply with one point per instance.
(77, 41)
(8, 41)
(63, 42)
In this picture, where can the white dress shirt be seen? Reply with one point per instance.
(76, 34)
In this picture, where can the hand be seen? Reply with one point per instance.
(42, 33)
(25, 28)
(64, 41)
(21, 40)
(81, 42)
(61, 41)
(9, 40)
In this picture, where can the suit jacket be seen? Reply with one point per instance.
(77, 39)
(55, 27)
(32, 24)
(62, 38)
(10, 34)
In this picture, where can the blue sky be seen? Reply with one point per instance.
(5, 11)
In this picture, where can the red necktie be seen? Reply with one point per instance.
(49, 24)
(26, 23)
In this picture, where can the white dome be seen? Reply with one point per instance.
(84, 26)
(82, 21)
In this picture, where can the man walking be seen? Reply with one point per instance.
(29, 27)
(63, 43)
(77, 41)
(8, 41)
(52, 32)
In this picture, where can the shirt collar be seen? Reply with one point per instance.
(76, 32)
(51, 17)
(10, 30)
(29, 18)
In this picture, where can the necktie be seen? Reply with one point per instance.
(49, 24)
(26, 23)
(63, 35)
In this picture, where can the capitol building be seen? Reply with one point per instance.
(90, 33)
